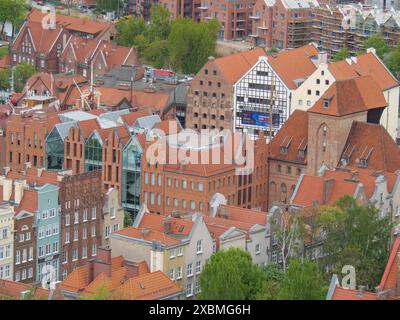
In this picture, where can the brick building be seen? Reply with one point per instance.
(282, 24)
(81, 216)
(42, 46)
(210, 98)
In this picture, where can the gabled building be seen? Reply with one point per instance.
(113, 215)
(210, 95)
(262, 96)
(6, 237)
(364, 65)
(199, 249)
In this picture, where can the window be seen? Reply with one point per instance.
(30, 256)
(30, 272)
(49, 229)
(172, 253)
(199, 246)
(94, 213)
(84, 215)
(200, 187)
(76, 217)
(258, 249)
(84, 252)
(189, 290)
(75, 234)
(108, 231)
(55, 247)
(198, 267)
(28, 236)
(74, 254)
(93, 231)
(327, 82)
(55, 228)
(41, 251)
(84, 232)
(179, 273)
(67, 219)
(180, 252)
(192, 205)
(67, 236)
(17, 257)
(317, 92)
(94, 250)
(189, 270)
(309, 92)
(318, 81)
(21, 237)
(172, 274)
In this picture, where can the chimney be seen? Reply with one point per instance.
(167, 224)
(19, 190)
(371, 50)
(132, 269)
(145, 231)
(327, 189)
(360, 291)
(322, 58)
(104, 254)
(7, 189)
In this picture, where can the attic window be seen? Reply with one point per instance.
(181, 228)
(285, 145)
(365, 155)
(326, 103)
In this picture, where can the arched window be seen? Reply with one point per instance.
(272, 192)
(283, 197)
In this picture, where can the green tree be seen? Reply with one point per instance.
(341, 55)
(13, 11)
(101, 292)
(23, 72)
(377, 42)
(229, 275)
(272, 284)
(128, 222)
(191, 43)
(160, 23)
(157, 53)
(302, 281)
(108, 5)
(356, 235)
(272, 50)
(129, 29)
(392, 60)
(4, 79)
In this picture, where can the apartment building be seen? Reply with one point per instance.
(29, 45)
(232, 15)
(368, 64)
(282, 24)
(113, 215)
(247, 229)
(25, 241)
(198, 250)
(262, 96)
(210, 98)
(48, 242)
(81, 219)
(26, 137)
(6, 237)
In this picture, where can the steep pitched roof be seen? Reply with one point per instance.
(148, 235)
(292, 136)
(14, 289)
(350, 96)
(131, 117)
(349, 294)
(390, 278)
(241, 214)
(294, 64)
(156, 222)
(234, 66)
(150, 286)
(29, 201)
(371, 146)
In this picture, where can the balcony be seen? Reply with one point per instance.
(254, 17)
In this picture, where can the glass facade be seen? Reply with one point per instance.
(131, 180)
(93, 153)
(54, 151)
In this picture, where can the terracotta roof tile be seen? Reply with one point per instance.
(390, 278)
(233, 67)
(77, 280)
(131, 117)
(150, 286)
(294, 64)
(242, 214)
(348, 294)
(293, 134)
(150, 235)
(156, 222)
(374, 144)
(350, 96)
(29, 201)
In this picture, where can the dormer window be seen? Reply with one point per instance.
(326, 103)
(284, 150)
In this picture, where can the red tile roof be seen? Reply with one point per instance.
(390, 278)
(293, 134)
(242, 62)
(156, 222)
(372, 142)
(241, 214)
(350, 96)
(150, 286)
(29, 201)
(148, 235)
(5, 62)
(348, 294)
(14, 289)
(131, 117)
(294, 64)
